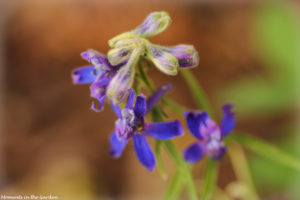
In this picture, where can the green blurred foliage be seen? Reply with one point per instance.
(276, 37)
(267, 174)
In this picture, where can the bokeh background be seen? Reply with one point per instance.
(52, 143)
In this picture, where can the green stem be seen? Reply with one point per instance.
(203, 103)
(148, 83)
(169, 146)
(240, 166)
(144, 78)
(183, 167)
(160, 164)
(211, 174)
(196, 90)
(266, 150)
(175, 187)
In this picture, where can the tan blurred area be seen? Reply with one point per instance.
(51, 142)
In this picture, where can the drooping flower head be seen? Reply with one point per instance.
(99, 75)
(208, 134)
(133, 44)
(131, 124)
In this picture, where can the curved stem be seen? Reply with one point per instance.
(169, 146)
(197, 91)
(240, 166)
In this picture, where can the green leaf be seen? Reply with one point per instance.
(175, 187)
(196, 90)
(266, 150)
(211, 174)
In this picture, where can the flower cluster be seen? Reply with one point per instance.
(113, 76)
(133, 44)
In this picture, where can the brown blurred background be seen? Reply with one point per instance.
(52, 143)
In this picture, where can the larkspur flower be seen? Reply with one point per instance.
(99, 75)
(130, 124)
(208, 133)
(133, 44)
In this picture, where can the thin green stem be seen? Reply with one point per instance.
(183, 167)
(265, 149)
(169, 146)
(241, 169)
(175, 186)
(196, 90)
(203, 103)
(148, 83)
(210, 179)
(144, 78)
(160, 164)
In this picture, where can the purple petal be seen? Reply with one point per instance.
(143, 151)
(163, 130)
(123, 129)
(154, 24)
(209, 129)
(164, 61)
(215, 149)
(89, 54)
(100, 107)
(116, 109)
(193, 120)
(119, 54)
(186, 55)
(84, 75)
(194, 153)
(228, 120)
(116, 146)
(130, 100)
(140, 106)
(97, 59)
(121, 83)
(98, 88)
(157, 95)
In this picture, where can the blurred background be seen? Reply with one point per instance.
(51, 143)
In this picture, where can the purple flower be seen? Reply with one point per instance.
(131, 124)
(208, 133)
(131, 45)
(99, 75)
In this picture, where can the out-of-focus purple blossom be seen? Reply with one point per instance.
(131, 124)
(208, 134)
(99, 75)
